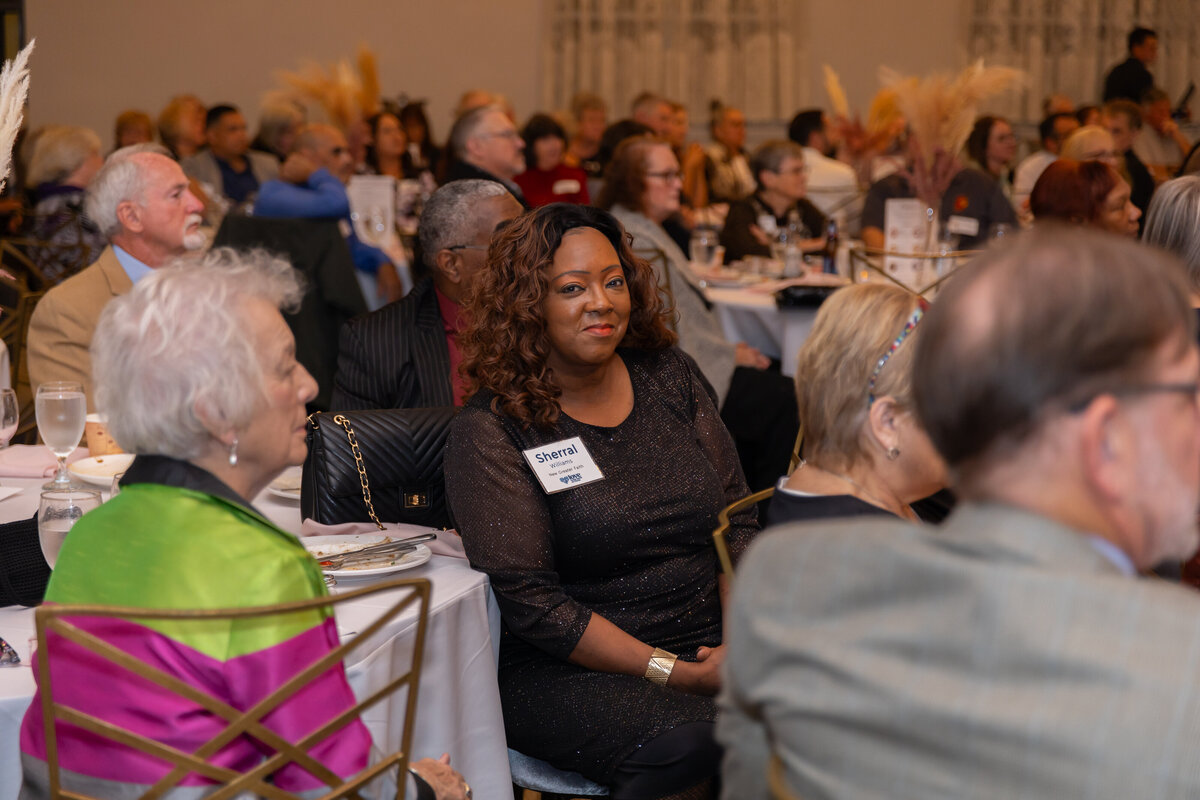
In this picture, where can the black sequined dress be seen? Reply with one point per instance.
(635, 547)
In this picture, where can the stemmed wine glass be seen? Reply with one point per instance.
(10, 415)
(61, 409)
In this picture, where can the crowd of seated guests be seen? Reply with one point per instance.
(545, 318)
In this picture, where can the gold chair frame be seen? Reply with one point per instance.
(723, 525)
(53, 618)
(862, 256)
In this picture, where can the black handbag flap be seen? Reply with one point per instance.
(401, 451)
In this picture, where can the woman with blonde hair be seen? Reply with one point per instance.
(864, 450)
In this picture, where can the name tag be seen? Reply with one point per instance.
(563, 465)
(963, 226)
(566, 186)
(767, 224)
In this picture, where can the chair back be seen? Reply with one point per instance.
(658, 260)
(332, 294)
(723, 525)
(775, 782)
(57, 619)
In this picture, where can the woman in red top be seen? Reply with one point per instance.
(546, 178)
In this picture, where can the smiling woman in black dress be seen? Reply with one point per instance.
(604, 568)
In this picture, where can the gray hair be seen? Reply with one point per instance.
(276, 118)
(178, 342)
(467, 126)
(60, 150)
(769, 156)
(121, 178)
(448, 217)
(1173, 222)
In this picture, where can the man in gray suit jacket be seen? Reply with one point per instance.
(229, 167)
(1015, 651)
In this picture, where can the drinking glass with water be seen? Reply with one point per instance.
(58, 512)
(61, 409)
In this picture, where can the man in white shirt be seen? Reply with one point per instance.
(140, 200)
(832, 184)
(1053, 130)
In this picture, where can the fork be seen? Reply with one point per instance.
(395, 547)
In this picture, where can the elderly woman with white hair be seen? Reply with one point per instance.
(64, 160)
(197, 372)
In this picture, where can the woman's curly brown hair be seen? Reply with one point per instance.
(504, 345)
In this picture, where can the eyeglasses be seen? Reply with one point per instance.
(482, 247)
(501, 134)
(913, 319)
(1191, 389)
(666, 175)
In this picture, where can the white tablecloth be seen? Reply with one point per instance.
(752, 317)
(458, 708)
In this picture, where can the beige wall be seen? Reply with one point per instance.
(856, 36)
(96, 57)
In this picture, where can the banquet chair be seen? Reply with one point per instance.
(278, 752)
(723, 525)
(775, 783)
(534, 775)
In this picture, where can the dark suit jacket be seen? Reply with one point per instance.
(395, 357)
(332, 295)
(463, 171)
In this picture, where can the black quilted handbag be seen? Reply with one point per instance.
(381, 466)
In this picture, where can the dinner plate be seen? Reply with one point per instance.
(99, 470)
(387, 564)
(287, 485)
(324, 546)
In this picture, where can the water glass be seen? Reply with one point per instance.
(58, 512)
(61, 409)
(702, 246)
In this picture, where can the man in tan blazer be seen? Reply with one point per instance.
(140, 201)
(1014, 651)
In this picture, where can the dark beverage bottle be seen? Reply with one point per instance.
(829, 261)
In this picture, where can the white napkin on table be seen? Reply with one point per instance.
(33, 461)
(448, 543)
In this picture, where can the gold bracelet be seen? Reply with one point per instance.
(660, 666)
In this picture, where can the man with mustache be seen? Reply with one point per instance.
(141, 202)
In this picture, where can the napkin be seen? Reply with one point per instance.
(448, 543)
(33, 461)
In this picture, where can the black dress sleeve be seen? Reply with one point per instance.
(721, 452)
(508, 533)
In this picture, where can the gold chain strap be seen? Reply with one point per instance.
(362, 468)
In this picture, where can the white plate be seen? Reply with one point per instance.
(287, 485)
(324, 546)
(286, 494)
(409, 560)
(99, 470)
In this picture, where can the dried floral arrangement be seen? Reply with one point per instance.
(940, 110)
(14, 88)
(346, 95)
